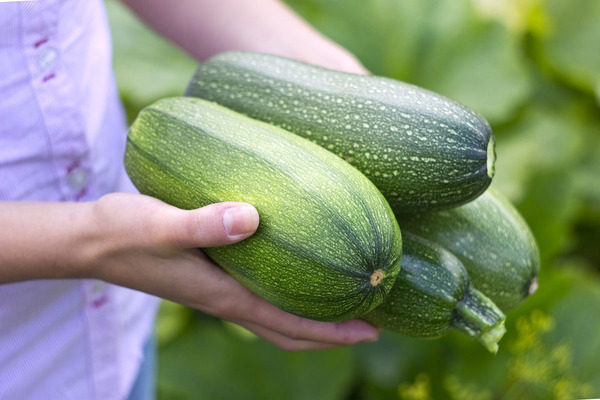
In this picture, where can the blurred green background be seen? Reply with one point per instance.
(532, 68)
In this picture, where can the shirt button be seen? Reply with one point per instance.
(47, 58)
(98, 286)
(78, 178)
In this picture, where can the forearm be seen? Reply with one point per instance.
(42, 240)
(116, 238)
(204, 28)
(144, 244)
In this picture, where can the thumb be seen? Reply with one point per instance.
(217, 224)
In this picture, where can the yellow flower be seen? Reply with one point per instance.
(419, 390)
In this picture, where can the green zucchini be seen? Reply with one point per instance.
(493, 242)
(432, 295)
(422, 150)
(328, 246)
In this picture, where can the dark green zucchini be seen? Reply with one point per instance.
(422, 150)
(432, 295)
(491, 239)
(328, 246)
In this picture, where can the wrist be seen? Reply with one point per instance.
(103, 234)
(42, 240)
(86, 243)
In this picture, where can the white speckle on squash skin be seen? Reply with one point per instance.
(261, 172)
(499, 246)
(334, 92)
(423, 300)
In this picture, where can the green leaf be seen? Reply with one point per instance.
(476, 62)
(442, 45)
(575, 327)
(147, 67)
(548, 352)
(172, 319)
(546, 138)
(385, 362)
(550, 208)
(570, 42)
(210, 361)
(384, 34)
(543, 165)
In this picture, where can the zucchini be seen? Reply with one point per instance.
(422, 150)
(328, 246)
(432, 295)
(491, 239)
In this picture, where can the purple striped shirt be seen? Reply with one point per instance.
(62, 132)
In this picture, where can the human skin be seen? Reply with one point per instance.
(204, 28)
(139, 242)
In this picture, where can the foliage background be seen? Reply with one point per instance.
(532, 68)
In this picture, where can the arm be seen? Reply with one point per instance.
(206, 27)
(142, 243)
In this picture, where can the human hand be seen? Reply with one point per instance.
(144, 244)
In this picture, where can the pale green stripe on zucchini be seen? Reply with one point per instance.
(328, 246)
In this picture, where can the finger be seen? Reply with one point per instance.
(298, 328)
(230, 300)
(217, 224)
(297, 344)
(281, 341)
(252, 309)
(332, 334)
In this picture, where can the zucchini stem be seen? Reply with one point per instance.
(479, 318)
(377, 277)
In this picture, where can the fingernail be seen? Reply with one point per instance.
(240, 221)
(362, 331)
(371, 338)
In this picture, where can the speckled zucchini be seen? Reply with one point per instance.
(328, 246)
(493, 242)
(422, 150)
(432, 295)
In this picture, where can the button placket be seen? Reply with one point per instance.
(103, 336)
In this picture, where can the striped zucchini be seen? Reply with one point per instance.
(328, 246)
(423, 151)
(432, 295)
(492, 241)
